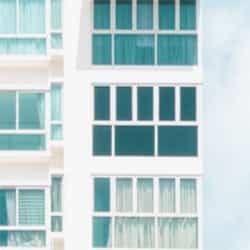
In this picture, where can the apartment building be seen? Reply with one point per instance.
(31, 124)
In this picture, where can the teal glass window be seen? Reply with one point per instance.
(166, 14)
(177, 49)
(134, 140)
(102, 140)
(102, 103)
(188, 103)
(8, 16)
(145, 103)
(124, 14)
(101, 232)
(101, 50)
(144, 14)
(8, 110)
(167, 103)
(102, 14)
(188, 14)
(134, 49)
(56, 224)
(56, 14)
(7, 207)
(56, 194)
(56, 132)
(177, 141)
(124, 103)
(102, 194)
(56, 102)
(56, 41)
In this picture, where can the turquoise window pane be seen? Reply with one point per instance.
(7, 207)
(56, 102)
(56, 224)
(102, 103)
(123, 103)
(32, 16)
(8, 16)
(188, 14)
(177, 141)
(167, 14)
(144, 14)
(22, 46)
(8, 110)
(188, 103)
(22, 239)
(177, 50)
(124, 14)
(56, 132)
(101, 49)
(102, 14)
(56, 194)
(102, 194)
(102, 140)
(145, 103)
(56, 41)
(31, 207)
(134, 140)
(22, 142)
(31, 111)
(101, 232)
(134, 49)
(167, 103)
(56, 14)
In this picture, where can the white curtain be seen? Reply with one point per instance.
(167, 195)
(124, 195)
(134, 232)
(145, 195)
(11, 207)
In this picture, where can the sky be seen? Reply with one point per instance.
(226, 62)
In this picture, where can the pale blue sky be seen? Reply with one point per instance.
(226, 40)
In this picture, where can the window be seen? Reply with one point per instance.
(124, 103)
(102, 103)
(25, 210)
(137, 35)
(145, 103)
(188, 104)
(22, 112)
(137, 220)
(167, 103)
(102, 140)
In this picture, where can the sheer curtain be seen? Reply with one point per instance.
(123, 14)
(56, 224)
(7, 207)
(167, 195)
(56, 194)
(145, 195)
(102, 14)
(166, 14)
(56, 14)
(8, 16)
(188, 14)
(124, 195)
(144, 14)
(134, 232)
(102, 232)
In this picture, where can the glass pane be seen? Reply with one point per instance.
(32, 16)
(145, 103)
(145, 196)
(101, 49)
(56, 102)
(188, 14)
(7, 207)
(123, 14)
(8, 16)
(56, 224)
(22, 239)
(144, 14)
(102, 14)
(177, 141)
(102, 140)
(177, 49)
(102, 103)
(56, 14)
(22, 46)
(124, 195)
(8, 110)
(188, 196)
(56, 132)
(167, 14)
(179, 233)
(134, 232)
(56, 41)
(188, 104)
(31, 207)
(31, 111)
(22, 142)
(167, 195)
(102, 232)
(134, 49)
(102, 194)
(167, 103)
(134, 140)
(56, 194)
(124, 103)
